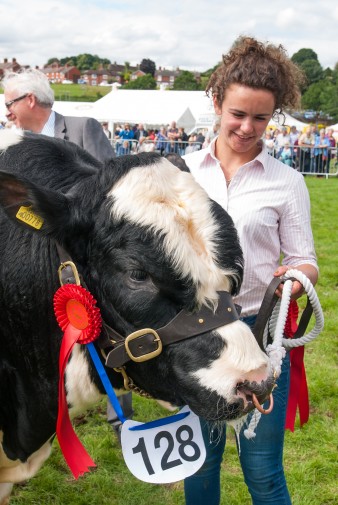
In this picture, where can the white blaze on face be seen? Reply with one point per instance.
(241, 360)
(166, 200)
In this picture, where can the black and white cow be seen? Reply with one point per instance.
(148, 242)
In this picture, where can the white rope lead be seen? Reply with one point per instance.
(275, 326)
(290, 343)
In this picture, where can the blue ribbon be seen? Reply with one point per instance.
(105, 381)
(160, 422)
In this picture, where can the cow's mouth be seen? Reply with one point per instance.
(254, 395)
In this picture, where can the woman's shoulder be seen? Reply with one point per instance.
(275, 169)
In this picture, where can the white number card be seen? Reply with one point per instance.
(165, 450)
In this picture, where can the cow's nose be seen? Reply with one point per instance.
(256, 394)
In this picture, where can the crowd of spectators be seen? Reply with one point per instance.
(309, 151)
(134, 139)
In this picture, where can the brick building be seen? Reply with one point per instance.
(11, 66)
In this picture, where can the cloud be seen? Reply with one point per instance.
(335, 13)
(285, 17)
(192, 34)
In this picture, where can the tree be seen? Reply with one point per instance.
(322, 95)
(210, 71)
(126, 72)
(304, 54)
(51, 61)
(85, 61)
(145, 82)
(148, 67)
(313, 71)
(67, 59)
(186, 81)
(328, 74)
(311, 99)
(335, 74)
(307, 60)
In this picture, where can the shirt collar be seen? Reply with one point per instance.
(208, 152)
(261, 158)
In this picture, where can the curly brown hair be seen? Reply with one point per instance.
(258, 65)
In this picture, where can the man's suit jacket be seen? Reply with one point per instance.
(85, 132)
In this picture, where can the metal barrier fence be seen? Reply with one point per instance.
(124, 146)
(320, 161)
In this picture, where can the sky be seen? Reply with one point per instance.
(188, 34)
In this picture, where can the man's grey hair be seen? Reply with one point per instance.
(30, 80)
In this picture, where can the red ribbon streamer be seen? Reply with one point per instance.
(298, 392)
(80, 320)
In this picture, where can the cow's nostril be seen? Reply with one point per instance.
(243, 390)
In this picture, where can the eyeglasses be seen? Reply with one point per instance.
(10, 103)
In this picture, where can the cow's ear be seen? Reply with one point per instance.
(176, 160)
(37, 208)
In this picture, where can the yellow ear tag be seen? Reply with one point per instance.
(29, 217)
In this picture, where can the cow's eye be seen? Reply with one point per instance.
(139, 275)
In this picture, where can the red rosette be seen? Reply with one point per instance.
(80, 320)
(75, 305)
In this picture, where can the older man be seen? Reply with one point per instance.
(29, 100)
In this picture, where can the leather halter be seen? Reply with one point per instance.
(147, 343)
(269, 301)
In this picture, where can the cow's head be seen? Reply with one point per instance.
(149, 242)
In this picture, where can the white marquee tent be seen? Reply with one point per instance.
(334, 127)
(189, 109)
(289, 121)
(153, 107)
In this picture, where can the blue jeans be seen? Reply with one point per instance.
(261, 458)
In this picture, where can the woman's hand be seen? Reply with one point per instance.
(297, 287)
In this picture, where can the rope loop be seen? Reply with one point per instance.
(279, 314)
(275, 326)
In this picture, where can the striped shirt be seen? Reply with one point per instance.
(49, 127)
(270, 206)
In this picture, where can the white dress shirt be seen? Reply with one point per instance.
(270, 206)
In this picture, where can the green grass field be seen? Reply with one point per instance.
(310, 452)
(78, 92)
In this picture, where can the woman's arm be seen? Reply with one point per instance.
(296, 237)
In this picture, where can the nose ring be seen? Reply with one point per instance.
(259, 406)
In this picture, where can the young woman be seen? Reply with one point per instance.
(270, 206)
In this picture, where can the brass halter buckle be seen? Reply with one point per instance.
(149, 355)
(74, 271)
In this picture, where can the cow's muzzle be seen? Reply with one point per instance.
(256, 394)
